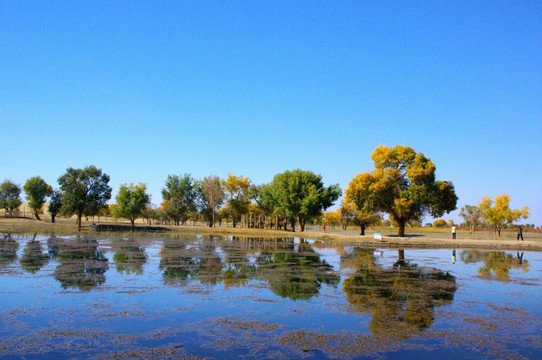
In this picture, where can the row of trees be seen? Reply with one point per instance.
(493, 213)
(402, 184)
(292, 197)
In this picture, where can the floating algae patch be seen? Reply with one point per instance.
(199, 296)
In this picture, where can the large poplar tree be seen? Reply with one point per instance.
(236, 188)
(301, 195)
(10, 196)
(212, 196)
(179, 194)
(403, 185)
(132, 200)
(84, 191)
(498, 213)
(37, 190)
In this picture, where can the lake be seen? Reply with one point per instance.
(227, 297)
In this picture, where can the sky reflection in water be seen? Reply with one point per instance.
(65, 296)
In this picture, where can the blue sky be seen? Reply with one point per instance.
(150, 88)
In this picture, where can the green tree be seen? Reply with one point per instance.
(132, 200)
(403, 185)
(301, 194)
(84, 191)
(180, 194)
(10, 196)
(37, 190)
(55, 204)
(498, 213)
(212, 197)
(236, 188)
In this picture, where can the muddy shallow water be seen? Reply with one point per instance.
(216, 297)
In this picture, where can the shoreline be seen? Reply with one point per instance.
(416, 238)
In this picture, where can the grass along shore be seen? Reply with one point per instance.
(415, 237)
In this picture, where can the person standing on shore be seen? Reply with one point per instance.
(520, 232)
(453, 231)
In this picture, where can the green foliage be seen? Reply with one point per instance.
(55, 204)
(180, 196)
(301, 194)
(212, 196)
(37, 190)
(403, 185)
(10, 196)
(84, 191)
(132, 200)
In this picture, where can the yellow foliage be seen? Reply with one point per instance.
(498, 213)
(332, 218)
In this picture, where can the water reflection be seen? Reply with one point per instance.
(292, 270)
(295, 271)
(401, 298)
(129, 256)
(8, 250)
(496, 265)
(82, 264)
(33, 258)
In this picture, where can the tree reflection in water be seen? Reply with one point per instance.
(129, 256)
(81, 265)
(401, 299)
(33, 258)
(292, 271)
(295, 271)
(178, 262)
(8, 250)
(497, 264)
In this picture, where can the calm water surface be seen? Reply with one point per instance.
(215, 297)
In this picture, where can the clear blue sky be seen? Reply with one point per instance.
(149, 88)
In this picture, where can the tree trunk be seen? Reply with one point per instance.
(79, 217)
(36, 213)
(53, 218)
(132, 220)
(362, 226)
(401, 259)
(301, 224)
(401, 224)
(292, 221)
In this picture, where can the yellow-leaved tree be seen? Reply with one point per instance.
(331, 218)
(236, 188)
(403, 185)
(498, 213)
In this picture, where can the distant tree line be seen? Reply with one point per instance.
(402, 184)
